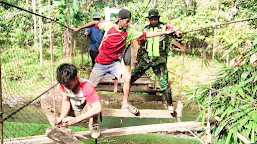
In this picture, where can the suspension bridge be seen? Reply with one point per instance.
(144, 84)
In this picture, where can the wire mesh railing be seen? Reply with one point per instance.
(25, 77)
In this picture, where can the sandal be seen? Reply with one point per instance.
(131, 109)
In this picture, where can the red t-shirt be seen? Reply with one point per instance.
(88, 91)
(114, 41)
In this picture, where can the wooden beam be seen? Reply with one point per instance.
(142, 80)
(144, 113)
(170, 127)
(132, 97)
(134, 88)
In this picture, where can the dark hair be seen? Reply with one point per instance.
(97, 19)
(124, 13)
(66, 72)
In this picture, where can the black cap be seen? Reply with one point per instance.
(124, 13)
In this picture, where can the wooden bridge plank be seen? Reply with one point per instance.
(132, 97)
(139, 88)
(144, 113)
(170, 127)
(142, 80)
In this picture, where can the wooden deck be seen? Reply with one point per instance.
(143, 113)
(143, 84)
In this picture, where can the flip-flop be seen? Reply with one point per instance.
(131, 109)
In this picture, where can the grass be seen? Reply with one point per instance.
(17, 129)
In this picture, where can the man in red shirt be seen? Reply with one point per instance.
(80, 101)
(117, 35)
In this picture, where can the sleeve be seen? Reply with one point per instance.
(172, 27)
(135, 35)
(90, 93)
(62, 88)
(89, 30)
(104, 25)
(142, 37)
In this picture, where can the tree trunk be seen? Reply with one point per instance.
(51, 41)
(35, 23)
(40, 37)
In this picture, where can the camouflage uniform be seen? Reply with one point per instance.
(149, 55)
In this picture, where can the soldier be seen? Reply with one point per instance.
(153, 53)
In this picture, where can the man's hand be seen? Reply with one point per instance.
(170, 31)
(86, 34)
(75, 29)
(59, 120)
(134, 63)
(70, 120)
(179, 34)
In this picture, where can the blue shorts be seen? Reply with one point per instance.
(99, 70)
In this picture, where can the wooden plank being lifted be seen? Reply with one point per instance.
(170, 127)
(58, 136)
(144, 113)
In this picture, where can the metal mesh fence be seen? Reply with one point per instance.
(25, 78)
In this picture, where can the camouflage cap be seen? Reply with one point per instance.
(153, 13)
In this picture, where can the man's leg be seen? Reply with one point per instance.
(93, 55)
(161, 72)
(97, 73)
(119, 71)
(126, 87)
(92, 122)
(142, 65)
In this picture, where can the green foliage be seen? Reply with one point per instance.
(239, 82)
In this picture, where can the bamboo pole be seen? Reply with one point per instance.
(35, 23)
(40, 35)
(1, 110)
(52, 55)
(51, 41)
(208, 130)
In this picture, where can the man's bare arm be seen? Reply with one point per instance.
(154, 34)
(94, 110)
(66, 105)
(87, 25)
